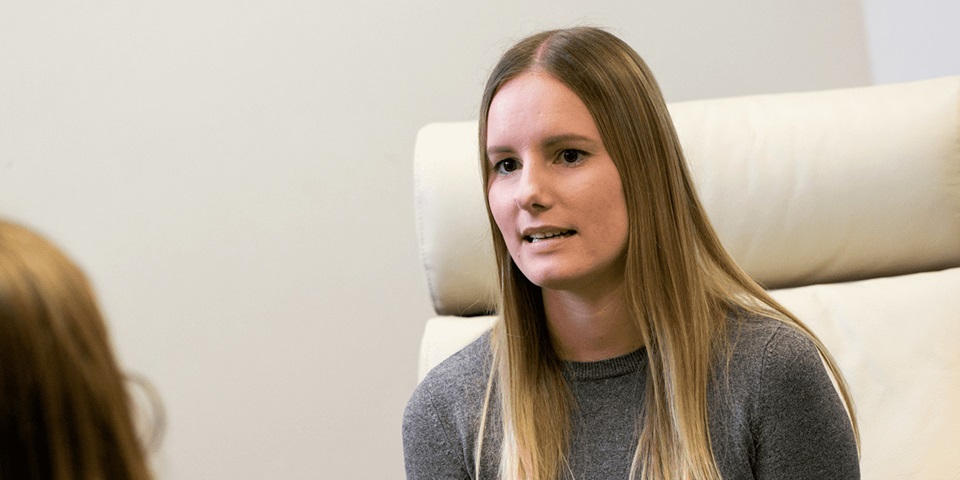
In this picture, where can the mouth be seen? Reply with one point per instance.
(547, 235)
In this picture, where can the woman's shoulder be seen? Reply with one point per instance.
(777, 414)
(456, 383)
(765, 354)
(768, 341)
(441, 417)
(792, 417)
(462, 369)
(779, 359)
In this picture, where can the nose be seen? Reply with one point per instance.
(533, 188)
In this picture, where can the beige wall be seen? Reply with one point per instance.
(237, 179)
(912, 40)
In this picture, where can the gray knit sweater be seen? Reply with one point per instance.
(776, 417)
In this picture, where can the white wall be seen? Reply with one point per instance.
(912, 39)
(237, 179)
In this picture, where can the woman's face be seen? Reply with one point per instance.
(553, 189)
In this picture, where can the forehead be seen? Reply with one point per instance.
(536, 104)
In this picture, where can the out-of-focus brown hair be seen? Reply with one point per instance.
(65, 413)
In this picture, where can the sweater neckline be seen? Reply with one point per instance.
(609, 368)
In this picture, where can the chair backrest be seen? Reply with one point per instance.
(846, 201)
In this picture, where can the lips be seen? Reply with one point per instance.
(540, 235)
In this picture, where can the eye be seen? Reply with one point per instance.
(506, 166)
(571, 156)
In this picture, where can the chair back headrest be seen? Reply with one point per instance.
(802, 188)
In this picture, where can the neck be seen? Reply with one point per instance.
(590, 326)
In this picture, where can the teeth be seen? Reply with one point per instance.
(535, 237)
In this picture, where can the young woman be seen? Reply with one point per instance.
(629, 343)
(65, 413)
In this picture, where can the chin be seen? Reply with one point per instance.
(554, 280)
(572, 279)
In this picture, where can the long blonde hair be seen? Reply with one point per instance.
(681, 284)
(65, 413)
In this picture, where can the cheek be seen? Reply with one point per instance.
(621, 220)
(613, 211)
(500, 207)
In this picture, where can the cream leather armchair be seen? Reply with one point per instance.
(845, 202)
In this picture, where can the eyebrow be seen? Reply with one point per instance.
(547, 143)
(570, 137)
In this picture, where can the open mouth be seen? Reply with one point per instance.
(536, 237)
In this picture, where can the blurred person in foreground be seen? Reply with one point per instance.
(65, 411)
